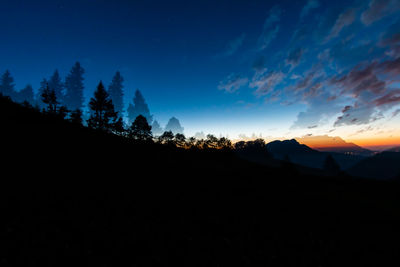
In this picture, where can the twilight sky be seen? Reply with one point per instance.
(277, 68)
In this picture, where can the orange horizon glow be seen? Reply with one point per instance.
(328, 141)
(371, 142)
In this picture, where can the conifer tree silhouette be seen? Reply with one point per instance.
(74, 87)
(56, 84)
(140, 129)
(102, 116)
(26, 94)
(42, 88)
(167, 138)
(139, 107)
(174, 126)
(76, 117)
(49, 98)
(156, 129)
(7, 84)
(119, 128)
(116, 92)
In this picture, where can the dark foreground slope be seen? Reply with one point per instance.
(70, 196)
(384, 165)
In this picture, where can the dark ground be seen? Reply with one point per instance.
(70, 196)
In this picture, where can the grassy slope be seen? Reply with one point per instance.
(73, 196)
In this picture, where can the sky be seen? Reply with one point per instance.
(276, 69)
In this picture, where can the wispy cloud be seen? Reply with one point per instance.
(345, 19)
(377, 9)
(396, 112)
(233, 46)
(232, 83)
(311, 4)
(265, 81)
(357, 115)
(270, 28)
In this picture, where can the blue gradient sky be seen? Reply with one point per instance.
(276, 68)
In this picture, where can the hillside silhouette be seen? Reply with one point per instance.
(306, 156)
(384, 165)
(335, 144)
(70, 194)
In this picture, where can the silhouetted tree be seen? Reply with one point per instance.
(180, 140)
(255, 147)
(102, 115)
(56, 84)
(211, 141)
(7, 84)
(116, 92)
(140, 129)
(191, 142)
(167, 138)
(241, 145)
(25, 94)
(201, 144)
(119, 127)
(331, 166)
(139, 107)
(174, 126)
(156, 129)
(224, 143)
(74, 87)
(76, 117)
(50, 100)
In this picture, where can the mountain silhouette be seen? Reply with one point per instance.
(325, 143)
(394, 149)
(306, 156)
(287, 147)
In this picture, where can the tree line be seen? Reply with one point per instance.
(69, 95)
(105, 118)
(64, 100)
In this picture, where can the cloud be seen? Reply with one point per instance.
(377, 9)
(305, 82)
(391, 98)
(270, 28)
(357, 114)
(391, 66)
(345, 19)
(359, 80)
(313, 91)
(232, 83)
(391, 39)
(311, 4)
(317, 112)
(396, 112)
(265, 82)
(234, 45)
(372, 95)
(294, 57)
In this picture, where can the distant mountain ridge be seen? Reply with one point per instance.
(325, 143)
(303, 155)
(394, 149)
